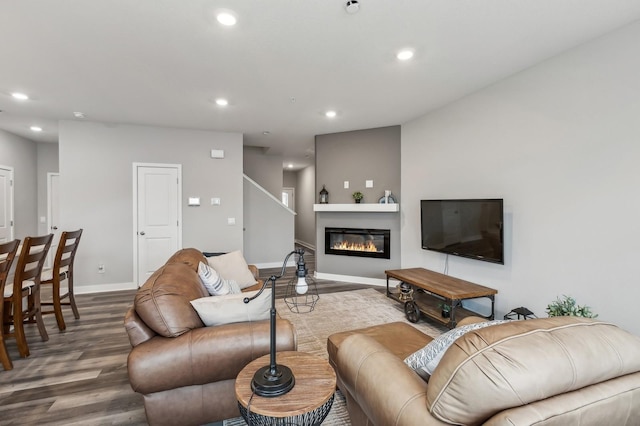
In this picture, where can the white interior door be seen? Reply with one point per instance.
(157, 217)
(288, 198)
(6, 204)
(53, 214)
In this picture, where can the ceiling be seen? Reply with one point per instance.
(281, 67)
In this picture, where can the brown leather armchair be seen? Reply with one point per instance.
(186, 371)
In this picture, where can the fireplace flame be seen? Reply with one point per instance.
(346, 245)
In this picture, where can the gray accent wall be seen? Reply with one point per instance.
(560, 142)
(22, 155)
(357, 156)
(96, 191)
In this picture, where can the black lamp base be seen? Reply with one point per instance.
(267, 384)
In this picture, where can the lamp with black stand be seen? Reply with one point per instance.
(275, 380)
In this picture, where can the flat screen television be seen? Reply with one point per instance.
(471, 228)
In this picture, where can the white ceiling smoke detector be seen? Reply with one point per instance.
(352, 6)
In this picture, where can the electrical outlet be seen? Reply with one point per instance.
(101, 268)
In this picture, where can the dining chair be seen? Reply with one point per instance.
(26, 284)
(62, 270)
(7, 254)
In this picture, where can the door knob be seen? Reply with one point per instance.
(141, 233)
(54, 228)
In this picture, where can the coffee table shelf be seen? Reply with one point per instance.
(430, 289)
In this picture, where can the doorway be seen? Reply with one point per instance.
(288, 198)
(6, 204)
(53, 214)
(157, 216)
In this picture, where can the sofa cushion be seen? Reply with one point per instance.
(213, 282)
(163, 301)
(425, 360)
(230, 308)
(496, 368)
(232, 266)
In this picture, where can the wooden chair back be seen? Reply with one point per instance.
(26, 283)
(63, 269)
(66, 253)
(7, 254)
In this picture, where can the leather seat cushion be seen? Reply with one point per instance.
(400, 338)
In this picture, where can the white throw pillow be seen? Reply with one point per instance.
(232, 266)
(215, 285)
(231, 308)
(425, 360)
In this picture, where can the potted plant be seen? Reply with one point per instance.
(445, 310)
(567, 306)
(358, 196)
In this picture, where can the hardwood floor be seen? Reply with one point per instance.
(79, 377)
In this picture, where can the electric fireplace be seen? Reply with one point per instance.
(359, 242)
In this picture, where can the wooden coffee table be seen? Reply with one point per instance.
(308, 403)
(431, 289)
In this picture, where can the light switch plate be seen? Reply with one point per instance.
(217, 153)
(215, 201)
(231, 221)
(346, 184)
(368, 184)
(194, 201)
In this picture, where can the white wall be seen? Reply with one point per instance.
(47, 163)
(306, 197)
(96, 192)
(21, 154)
(264, 169)
(560, 143)
(268, 227)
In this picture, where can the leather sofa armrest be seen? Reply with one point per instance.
(203, 355)
(137, 330)
(386, 389)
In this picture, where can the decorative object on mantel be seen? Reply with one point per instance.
(324, 196)
(358, 196)
(387, 198)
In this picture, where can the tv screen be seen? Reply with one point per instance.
(468, 228)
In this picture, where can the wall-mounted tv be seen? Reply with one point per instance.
(470, 228)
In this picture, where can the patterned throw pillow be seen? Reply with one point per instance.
(425, 360)
(215, 285)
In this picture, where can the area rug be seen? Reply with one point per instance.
(337, 312)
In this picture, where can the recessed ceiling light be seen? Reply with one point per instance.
(36, 129)
(266, 132)
(78, 114)
(405, 54)
(222, 102)
(20, 96)
(330, 114)
(226, 18)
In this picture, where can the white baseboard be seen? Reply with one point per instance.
(351, 279)
(103, 288)
(274, 264)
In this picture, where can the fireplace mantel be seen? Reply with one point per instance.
(357, 208)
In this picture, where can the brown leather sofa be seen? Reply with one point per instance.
(552, 371)
(186, 371)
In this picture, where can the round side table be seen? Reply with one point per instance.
(308, 403)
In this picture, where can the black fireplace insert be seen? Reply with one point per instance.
(357, 242)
